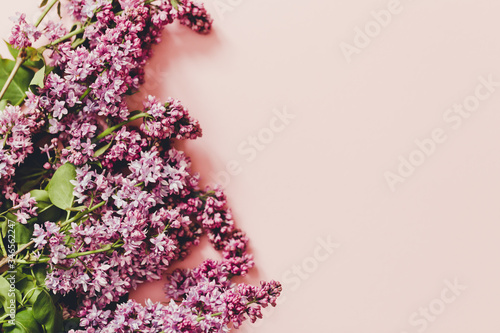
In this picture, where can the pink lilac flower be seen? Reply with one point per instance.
(24, 207)
(169, 120)
(54, 31)
(146, 209)
(16, 129)
(193, 15)
(23, 33)
(207, 291)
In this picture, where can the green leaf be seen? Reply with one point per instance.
(24, 323)
(33, 57)
(11, 217)
(4, 224)
(44, 2)
(46, 314)
(40, 196)
(28, 290)
(71, 323)
(29, 184)
(25, 285)
(23, 233)
(39, 78)
(46, 210)
(60, 189)
(12, 50)
(4, 293)
(16, 93)
(40, 272)
(20, 276)
(3, 104)
(48, 69)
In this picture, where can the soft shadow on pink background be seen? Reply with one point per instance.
(422, 258)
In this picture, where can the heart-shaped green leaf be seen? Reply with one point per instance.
(4, 293)
(46, 313)
(24, 323)
(60, 188)
(16, 93)
(33, 57)
(39, 78)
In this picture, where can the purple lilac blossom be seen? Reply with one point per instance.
(151, 210)
(23, 34)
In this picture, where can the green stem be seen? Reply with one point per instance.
(28, 295)
(19, 62)
(174, 3)
(110, 130)
(21, 249)
(27, 262)
(46, 208)
(41, 173)
(212, 315)
(86, 253)
(2, 318)
(68, 36)
(72, 255)
(80, 215)
(85, 93)
(45, 12)
(7, 211)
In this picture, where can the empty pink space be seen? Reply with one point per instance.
(359, 146)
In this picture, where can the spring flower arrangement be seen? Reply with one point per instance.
(95, 198)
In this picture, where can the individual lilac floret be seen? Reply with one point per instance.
(23, 33)
(24, 207)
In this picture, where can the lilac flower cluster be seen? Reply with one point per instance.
(170, 120)
(150, 318)
(132, 220)
(23, 34)
(208, 306)
(24, 207)
(137, 206)
(209, 291)
(194, 15)
(16, 128)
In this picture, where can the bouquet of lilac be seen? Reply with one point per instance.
(95, 198)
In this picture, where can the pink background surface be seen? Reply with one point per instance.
(396, 254)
